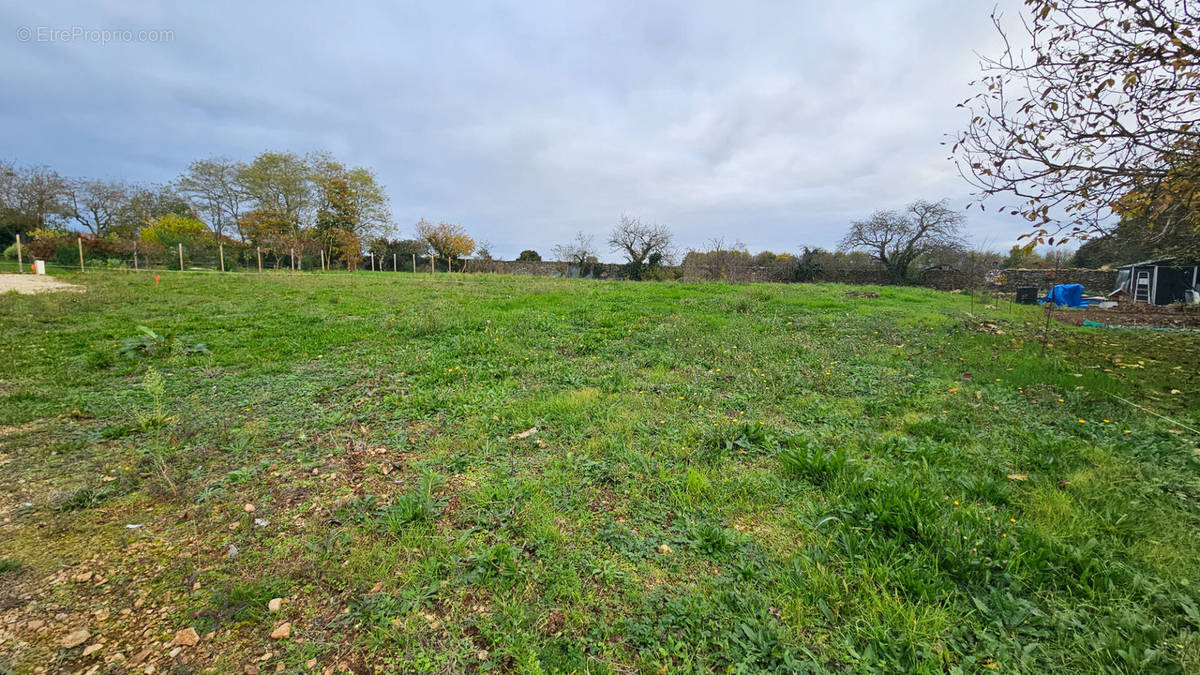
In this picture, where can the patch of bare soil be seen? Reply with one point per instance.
(1134, 314)
(30, 283)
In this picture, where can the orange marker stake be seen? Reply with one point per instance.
(156, 278)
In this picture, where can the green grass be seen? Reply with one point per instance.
(730, 478)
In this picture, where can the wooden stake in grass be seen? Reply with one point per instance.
(414, 263)
(221, 253)
(258, 250)
(79, 240)
(20, 261)
(322, 260)
(180, 256)
(1046, 326)
(135, 263)
(372, 254)
(394, 268)
(293, 251)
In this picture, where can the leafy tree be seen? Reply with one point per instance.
(279, 182)
(529, 255)
(639, 241)
(213, 188)
(147, 202)
(447, 240)
(349, 197)
(1101, 106)
(1023, 257)
(896, 239)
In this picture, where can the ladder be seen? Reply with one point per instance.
(1141, 286)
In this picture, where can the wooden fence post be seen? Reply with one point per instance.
(135, 262)
(322, 260)
(293, 250)
(20, 260)
(79, 240)
(258, 250)
(221, 252)
(414, 263)
(180, 256)
(394, 269)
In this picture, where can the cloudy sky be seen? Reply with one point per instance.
(772, 123)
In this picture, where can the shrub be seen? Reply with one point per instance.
(529, 254)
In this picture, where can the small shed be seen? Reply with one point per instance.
(1159, 282)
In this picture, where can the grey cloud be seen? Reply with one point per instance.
(772, 123)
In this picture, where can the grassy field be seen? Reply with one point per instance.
(730, 478)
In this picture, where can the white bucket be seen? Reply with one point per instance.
(39, 267)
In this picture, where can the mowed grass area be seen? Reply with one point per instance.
(730, 478)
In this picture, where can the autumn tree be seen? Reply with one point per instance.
(445, 239)
(271, 233)
(347, 247)
(641, 244)
(172, 229)
(897, 238)
(1088, 113)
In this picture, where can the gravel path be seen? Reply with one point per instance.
(29, 283)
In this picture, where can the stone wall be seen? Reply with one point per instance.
(1095, 282)
(547, 268)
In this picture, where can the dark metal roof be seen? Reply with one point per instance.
(1171, 262)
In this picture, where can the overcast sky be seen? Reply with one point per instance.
(773, 124)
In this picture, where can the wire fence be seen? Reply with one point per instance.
(84, 254)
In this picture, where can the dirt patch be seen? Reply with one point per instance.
(30, 283)
(1131, 314)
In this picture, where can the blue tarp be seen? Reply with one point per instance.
(1066, 295)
